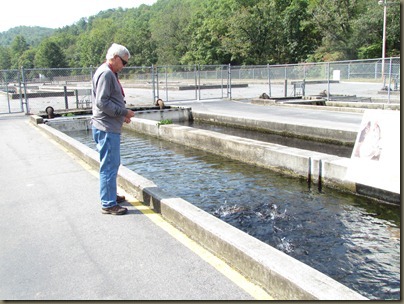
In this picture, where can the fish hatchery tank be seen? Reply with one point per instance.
(353, 239)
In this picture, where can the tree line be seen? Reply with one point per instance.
(239, 32)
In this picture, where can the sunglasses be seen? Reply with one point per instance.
(124, 62)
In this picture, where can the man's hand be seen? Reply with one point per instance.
(129, 115)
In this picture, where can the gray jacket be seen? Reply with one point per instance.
(108, 104)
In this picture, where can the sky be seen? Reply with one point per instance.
(56, 13)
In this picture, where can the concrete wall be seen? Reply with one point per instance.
(282, 276)
(175, 114)
(307, 132)
(82, 122)
(73, 123)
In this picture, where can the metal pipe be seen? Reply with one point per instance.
(384, 36)
(198, 87)
(157, 84)
(76, 92)
(25, 90)
(269, 80)
(309, 174)
(196, 81)
(153, 84)
(66, 99)
(388, 87)
(320, 174)
(221, 79)
(8, 97)
(166, 75)
(229, 82)
(328, 81)
(285, 87)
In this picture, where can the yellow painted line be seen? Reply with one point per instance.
(254, 290)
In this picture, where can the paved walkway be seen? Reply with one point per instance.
(57, 245)
(309, 116)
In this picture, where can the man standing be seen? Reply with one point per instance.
(109, 113)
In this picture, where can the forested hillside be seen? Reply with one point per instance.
(239, 32)
(32, 34)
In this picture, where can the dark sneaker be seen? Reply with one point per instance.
(120, 198)
(115, 210)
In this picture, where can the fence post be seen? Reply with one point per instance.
(269, 80)
(157, 82)
(285, 87)
(19, 90)
(25, 91)
(8, 97)
(229, 82)
(66, 99)
(388, 87)
(328, 81)
(76, 93)
(196, 81)
(221, 79)
(376, 70)
(166, 78)
(198, 86)
(153, 83)
(91, 75)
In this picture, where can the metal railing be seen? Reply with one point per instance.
(69, 88)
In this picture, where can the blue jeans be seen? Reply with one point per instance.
(108, 145)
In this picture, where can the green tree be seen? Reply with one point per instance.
(93, 46)
(207, 30)
(335, 21)
(371, 23)
(5, 58)
(220, 32)
(67, 41)
(18, 47)
(271, 31)
(27, 59)
(32, 34)
(49, 55)
(299, 36)
(251, 38)
(169, 30)
(139, 42)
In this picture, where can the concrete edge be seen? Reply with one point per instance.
(337, 106)
(282, 276)
(306, 132)
(362, 106)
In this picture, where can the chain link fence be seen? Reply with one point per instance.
(32, 90)
(360, 78)
(11, 91)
